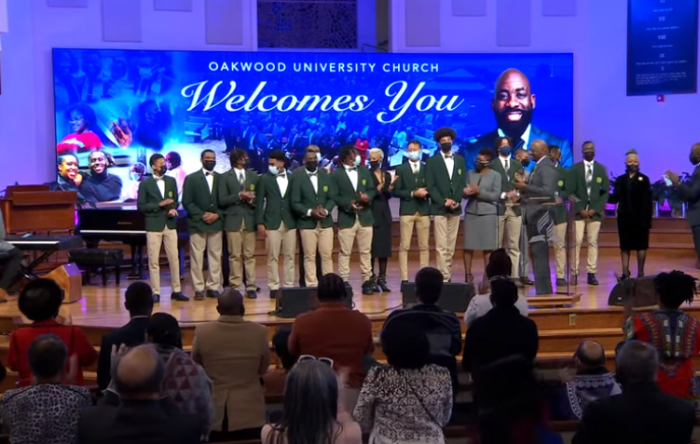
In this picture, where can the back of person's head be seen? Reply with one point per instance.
(637, 363)
(405, 344)
(499, 264)
(280, 342)
(428, 285)
(164, 330)
(40, 300)
(331, 288)
(47, 357)
(310, 405)
(504, 293)
(139, 374)
(674, 288)
(230, 303)
(138, 299)
(589, 355)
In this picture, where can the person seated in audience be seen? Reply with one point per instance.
(590, 381)
(141, 417)
(336, 332)
(500, 333)
(40, 301)
(642, 414)
(313, 410)
(409, 400)
(276, 379)
(235, 354)
(674, 334)
(499, 266)
(48, 411)
(441, 326)
(138, 301)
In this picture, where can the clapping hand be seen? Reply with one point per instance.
(519, 183)
(355, 206)
(420, 193)
(165, 202)
(673, 177)
(364, 198)
(172, 213)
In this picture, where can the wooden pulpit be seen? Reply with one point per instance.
(34, 208)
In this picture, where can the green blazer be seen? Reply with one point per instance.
(560, 213)
(197, 200)
(441, 187)
(235, 210)
(507, 181)
(405, 185)
(149, 203)
(271, 207)
(344, 194)
(305, 198)
(600, 189)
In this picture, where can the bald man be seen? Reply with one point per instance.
(142, 417)
(235, 354)
(513, 104)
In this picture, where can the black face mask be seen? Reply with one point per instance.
(311, 166)
(525, 162)
(446, 147)
(504, 151)
(374, 165)
(694, 159)
(479, 167)
(209, 165)
(589, 156)
(632, 168)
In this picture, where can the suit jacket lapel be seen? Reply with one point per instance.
(347, 178)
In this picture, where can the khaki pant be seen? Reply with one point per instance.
(241, 249)
(592, 229)
(446, 229)
(348, 236)
(212, 243)
(320, 239)
(406, 224)
(154, 240)
(511, 225)
(560, 249)
(282, 240)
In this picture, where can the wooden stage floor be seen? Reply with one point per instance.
(103, 306)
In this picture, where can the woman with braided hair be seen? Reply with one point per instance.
(675, 334)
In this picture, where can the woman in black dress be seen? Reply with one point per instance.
(632, 194)
(381, 235)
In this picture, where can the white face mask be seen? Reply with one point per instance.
(273, 170)
(413, 155)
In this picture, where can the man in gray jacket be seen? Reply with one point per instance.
(10, 257)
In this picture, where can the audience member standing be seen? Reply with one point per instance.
(410, 400)
(313, 410)
(235, 354)
(642, 414)
(138, 301)
(141, 417)
(40, 301)
(48, 411)
(335, 331)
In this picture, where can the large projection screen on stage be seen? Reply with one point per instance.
(131, 104)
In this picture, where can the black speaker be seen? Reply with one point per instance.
(455, 297)
(291, 302)
(640, 292)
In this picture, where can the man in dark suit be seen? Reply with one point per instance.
(200, 199)
(513, 105)
(142, 417)
(542, 185)
(138, 301)
(157, 200)
(642, 413)
(690, 192)
(446, 179)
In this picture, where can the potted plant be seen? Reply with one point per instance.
(675, 202)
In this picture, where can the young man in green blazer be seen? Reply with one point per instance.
(414, 207)
(273, 214)
(590, 184)
(446, 179)
(353, 191)
(560, 218)
(237, 199)
(200, 199)
(312, 189)
(157, 201)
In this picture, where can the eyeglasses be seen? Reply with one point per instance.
(327, 361)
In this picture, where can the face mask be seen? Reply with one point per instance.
(446, 147)
(589, 155)
(414, 155)
(374, 165)
(504, 151)
(358, 160)
(163, 170)
(632, 168)
(694, 159)
(525, 162)
(134, 176)
(209, 165)
(311, 166)
(319, 157)
(273, 170)
(480, 167)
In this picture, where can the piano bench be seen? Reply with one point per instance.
(90, 258)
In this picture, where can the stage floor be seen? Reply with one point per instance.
(104, 306)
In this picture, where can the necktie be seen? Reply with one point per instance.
(352, 169)
(507, 165)
(589, 178)
(241, 178)
(314, 174)
(448, 156)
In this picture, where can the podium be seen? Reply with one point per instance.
(34, 208)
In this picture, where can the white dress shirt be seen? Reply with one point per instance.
(282, 182)
(449, 162)
(525, 137)
(415, 166)
(240, 174)
(160, 181)
(505, 163)
(352, 175)
(210, 179)
(313, 177)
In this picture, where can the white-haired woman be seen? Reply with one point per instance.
(381, 236)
